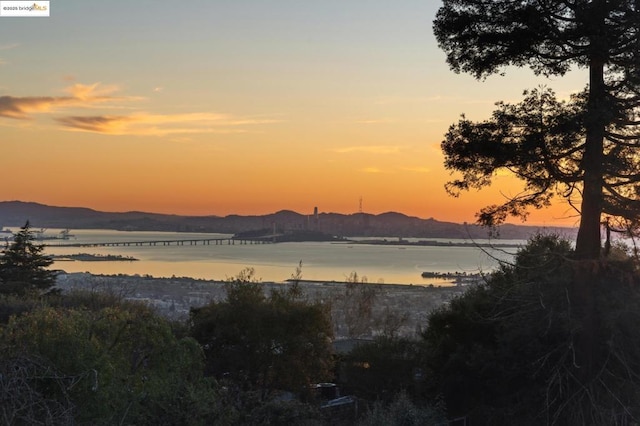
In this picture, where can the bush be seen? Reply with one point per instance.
(16, 305)
(116, 365)
(403, 412)
(512, 351)
(381, 369)
(280, 342)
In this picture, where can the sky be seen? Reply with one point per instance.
(216, 107)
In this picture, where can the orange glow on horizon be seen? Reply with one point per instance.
(225, 112)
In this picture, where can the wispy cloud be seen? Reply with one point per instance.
(22, 108)
(93, 92)
(124, 121)
(371, 170)
(102, 124)
(160, 124)
(371, 149)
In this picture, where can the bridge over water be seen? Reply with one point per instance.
(267, 239)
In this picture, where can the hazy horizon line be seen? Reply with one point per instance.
(547, 225)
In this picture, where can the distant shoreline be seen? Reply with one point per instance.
(450, 280)
(433, 243)
(87, 257)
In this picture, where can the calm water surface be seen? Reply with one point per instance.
(274, 262)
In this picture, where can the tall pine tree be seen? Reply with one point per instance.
(588, 146)
(551, 37)
(23, 265)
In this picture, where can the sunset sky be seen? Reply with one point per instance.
(242, 106)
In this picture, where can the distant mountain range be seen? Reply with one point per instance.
(391, 224)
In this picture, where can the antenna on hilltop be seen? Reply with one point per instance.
(360, 207)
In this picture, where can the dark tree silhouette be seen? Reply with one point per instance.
(505, 352)
(539, 140)
(280, 342)
(23, 265)
(590, 150)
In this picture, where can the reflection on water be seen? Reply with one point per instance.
(274, 262)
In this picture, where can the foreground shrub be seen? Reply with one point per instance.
(403, 412)
(509, 351)
(92, 300)
(382, 368)
(109, 366)
(279, 342)
(250, 408)
(11, 305)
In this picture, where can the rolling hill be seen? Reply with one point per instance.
(390, 224)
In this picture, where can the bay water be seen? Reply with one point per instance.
(327, 261)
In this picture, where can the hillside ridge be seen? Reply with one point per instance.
(388, 224)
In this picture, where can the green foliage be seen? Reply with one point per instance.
(23, 265)
(250, 408)
(382, 369)
(403, 412)
(508, 351)
(267, 343)
(76, 299)
(91, 300)
(16, 305)
(118, 366)
(245, 289)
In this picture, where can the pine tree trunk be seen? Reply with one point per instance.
(587, 271)
(588, 242)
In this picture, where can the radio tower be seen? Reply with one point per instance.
(360, 207)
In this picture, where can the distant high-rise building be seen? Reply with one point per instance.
(315, 218)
